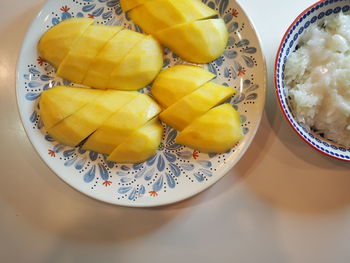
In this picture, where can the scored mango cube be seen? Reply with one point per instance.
(76, 64)
(122, 123)
(156, 15)
(199, 42)
(178, 81)
(60, 102)
(186, 110)
(110, 57)
(139, 146)
(78, 126)
(139, 67)
(56, 43)
(216, 131)
(127, 5)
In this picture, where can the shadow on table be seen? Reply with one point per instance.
(299, 189)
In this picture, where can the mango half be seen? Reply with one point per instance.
(190, 102)
(101, 56)
(199, 41)
(103, 120)
(187, 27)
(153, 16)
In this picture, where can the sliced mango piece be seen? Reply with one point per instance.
(78, 126)
(109, 57)
(96, 61)
(60, 102)
(178, 81)
(131, 4)
(215, 132)
(55, 44)
(139, 67)
(77, 62)
(122, 123)
(199, 41)
(156, 15)
(186, 110)
(140, 146)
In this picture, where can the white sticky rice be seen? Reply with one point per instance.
(317, 78)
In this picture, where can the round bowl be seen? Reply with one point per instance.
(314, 14)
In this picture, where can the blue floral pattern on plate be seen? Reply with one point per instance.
(175, 172)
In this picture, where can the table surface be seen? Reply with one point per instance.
(283, 202)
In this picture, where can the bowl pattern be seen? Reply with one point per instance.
(175, 172)
(312, 15)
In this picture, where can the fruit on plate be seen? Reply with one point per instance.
(216, 131)
(178, 81)
(78, 126)
(61, 101)
(153, 16)
(183, 112)
(81, 51)
(185, 26)
(139, 146)
(110, 57)
(56, 42)
(130, 4)
(139, 67)
(103, 120)
(76, 64)
(122, 123)
(199, 41)
(190, 101)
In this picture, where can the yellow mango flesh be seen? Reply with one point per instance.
(178, 81)
(140, 146)
(186, 110)
(56, 43)
(122, 123)
(156, 15)
(109, 57)
(76, 64)
(101, 57)
(198, 42)
(139, 67)
(217, 131)
(60, 102)
(78, 126)
(131, 4)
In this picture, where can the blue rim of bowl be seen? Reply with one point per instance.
(328, 148)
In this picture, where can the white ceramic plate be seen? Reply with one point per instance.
(175, 172)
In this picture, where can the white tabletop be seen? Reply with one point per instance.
(283, 202)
